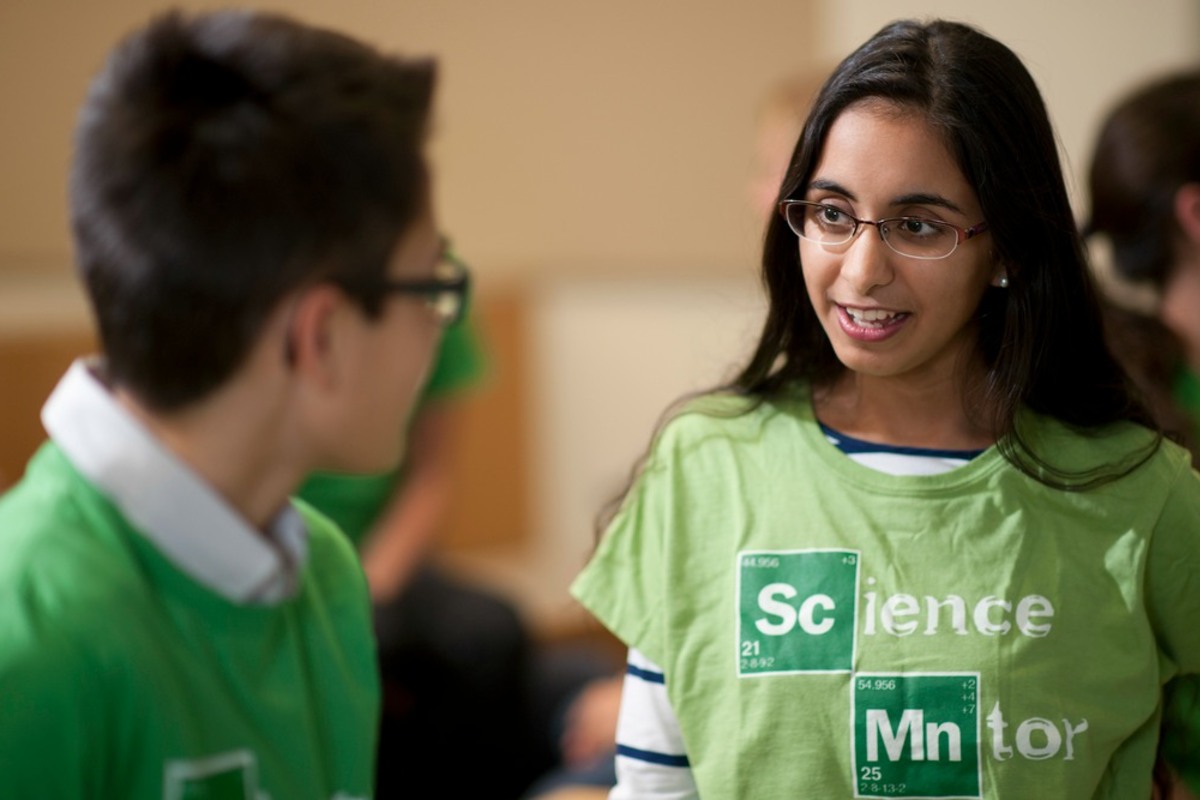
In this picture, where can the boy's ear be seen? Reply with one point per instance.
(310, 341)
(1187, 211)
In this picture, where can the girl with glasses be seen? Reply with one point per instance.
(927, 543)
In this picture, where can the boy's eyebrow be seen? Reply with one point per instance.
(915, 198)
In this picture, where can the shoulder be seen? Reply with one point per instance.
(71, 593)
(62, 543)
(331, 555)
(730, 416)
(1125, 449)
(326, 540)
(724, 422)
(333, 564)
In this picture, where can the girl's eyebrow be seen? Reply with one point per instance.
(831, 186)
(923, 199)
(916, 198)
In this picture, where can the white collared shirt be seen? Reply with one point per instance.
(182, 515)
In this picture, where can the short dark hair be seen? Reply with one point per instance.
(1041, 338)
(223, 161)
(1147, 148)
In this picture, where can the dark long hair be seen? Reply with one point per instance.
(1041, 339)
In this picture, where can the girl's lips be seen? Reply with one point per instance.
(870, 330)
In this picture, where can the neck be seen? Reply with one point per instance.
(931, 414)
(236, 440)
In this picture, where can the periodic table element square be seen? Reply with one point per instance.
(797, 611)
(226, 776)
(916, 735)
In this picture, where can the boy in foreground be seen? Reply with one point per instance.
(252, 219)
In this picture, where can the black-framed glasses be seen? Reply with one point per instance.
(914, 237)
(445, 293)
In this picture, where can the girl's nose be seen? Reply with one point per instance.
(867, 260)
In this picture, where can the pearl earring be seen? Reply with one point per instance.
(1003, 281)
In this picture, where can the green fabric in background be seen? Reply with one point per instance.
(1186, 391)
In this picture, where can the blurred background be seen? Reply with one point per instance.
(596, 165)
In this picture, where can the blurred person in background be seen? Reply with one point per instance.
(780, 119)
(1144, 183)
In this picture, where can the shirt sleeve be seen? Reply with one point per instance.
(651, 761)
(632, 583)
(624, 583)
(1172, 587)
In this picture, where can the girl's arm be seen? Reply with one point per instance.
(651, 760)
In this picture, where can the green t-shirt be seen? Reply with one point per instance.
(1186, 391)
(354, 502)
(121, 677)
(831, 631)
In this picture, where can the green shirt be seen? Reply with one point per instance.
(830, 631)
(354, 502)
(122, 677)
(1186, 391)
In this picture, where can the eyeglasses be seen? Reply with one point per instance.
(915, 237)
(445, 293)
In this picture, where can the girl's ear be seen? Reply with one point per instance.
(1187, 211)
(1000, 276)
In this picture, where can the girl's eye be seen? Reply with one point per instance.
(922, 228)
(833, 217)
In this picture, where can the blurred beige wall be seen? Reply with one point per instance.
(570, 136)
(579, 137)
(1083, 53)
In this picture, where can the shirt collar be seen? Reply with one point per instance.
(168, 503)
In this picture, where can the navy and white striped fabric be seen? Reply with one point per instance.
(651, 758)
(651, 761)
(898, 460)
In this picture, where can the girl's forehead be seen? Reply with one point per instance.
(880, 145)
(874, 114)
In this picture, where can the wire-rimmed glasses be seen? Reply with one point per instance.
(914, 237)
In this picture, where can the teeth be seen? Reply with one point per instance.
(870, 317)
